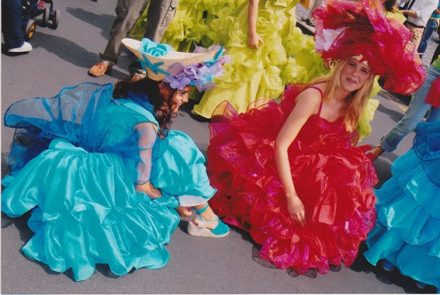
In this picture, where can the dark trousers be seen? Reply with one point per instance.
(12, 23)
(430, 28)
(127, 12)
(160, 14)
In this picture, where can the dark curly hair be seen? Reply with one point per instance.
(163, 106)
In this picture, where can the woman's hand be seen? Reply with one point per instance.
(149, 189)
(296, 210)
(254, 40)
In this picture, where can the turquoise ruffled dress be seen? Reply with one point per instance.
(407, 233)
(75, 162)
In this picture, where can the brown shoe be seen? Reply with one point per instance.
(100, 68)
(374, 153)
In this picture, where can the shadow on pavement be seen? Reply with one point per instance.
(20, 223)
(393, 277)
(65, 49)
(392, 114)
(105, 20)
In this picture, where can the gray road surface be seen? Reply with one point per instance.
(198, 265)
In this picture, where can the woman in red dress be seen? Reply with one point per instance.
(289, 173)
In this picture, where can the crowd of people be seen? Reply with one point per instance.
(301, 185)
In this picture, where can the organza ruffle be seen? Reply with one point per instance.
(286, 55)
(87, 116)
(333, 179)
(254, 76)
(86, 212)
(407, 233)
(75, 157)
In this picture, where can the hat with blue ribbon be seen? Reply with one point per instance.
(179, 69)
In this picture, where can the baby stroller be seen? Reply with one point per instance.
(34, 8)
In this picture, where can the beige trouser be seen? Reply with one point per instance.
(416, 37)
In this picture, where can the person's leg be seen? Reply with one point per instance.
(160, 14)
(127, 12)
(207, 213)
(414, 114)
(431, 26)
(12, 25)
(436, 54)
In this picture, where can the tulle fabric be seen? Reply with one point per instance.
(407, 232)
(333, 179)
(365, 30)
(75, 164)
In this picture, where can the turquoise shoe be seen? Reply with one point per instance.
(214, 228)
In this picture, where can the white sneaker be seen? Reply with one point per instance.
(26, 47)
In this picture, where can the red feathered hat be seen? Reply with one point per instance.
(348, 28)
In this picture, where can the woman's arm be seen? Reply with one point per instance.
(307, 104)
(253, 39)
(147, 136)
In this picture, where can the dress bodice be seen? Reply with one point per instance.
(319, 134)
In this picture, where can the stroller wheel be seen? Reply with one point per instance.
(55, 19)
(46, 16)
(29, 30)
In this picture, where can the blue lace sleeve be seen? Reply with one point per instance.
(147, 137)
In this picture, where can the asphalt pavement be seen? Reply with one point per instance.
(198, 265)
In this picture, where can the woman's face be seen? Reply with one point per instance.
(354, 74)
(180, 97)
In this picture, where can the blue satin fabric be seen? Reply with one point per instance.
(407, 233)
(73, 163)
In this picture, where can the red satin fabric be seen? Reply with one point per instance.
(333, 179)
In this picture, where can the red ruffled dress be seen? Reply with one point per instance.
(333, 179)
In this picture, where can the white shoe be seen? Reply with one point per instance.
(26, 47)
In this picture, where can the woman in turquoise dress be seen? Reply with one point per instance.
(103, 174)
(407, 233)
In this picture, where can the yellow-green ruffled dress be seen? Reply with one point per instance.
(254, 76)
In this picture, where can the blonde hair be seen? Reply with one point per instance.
(356, 101)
